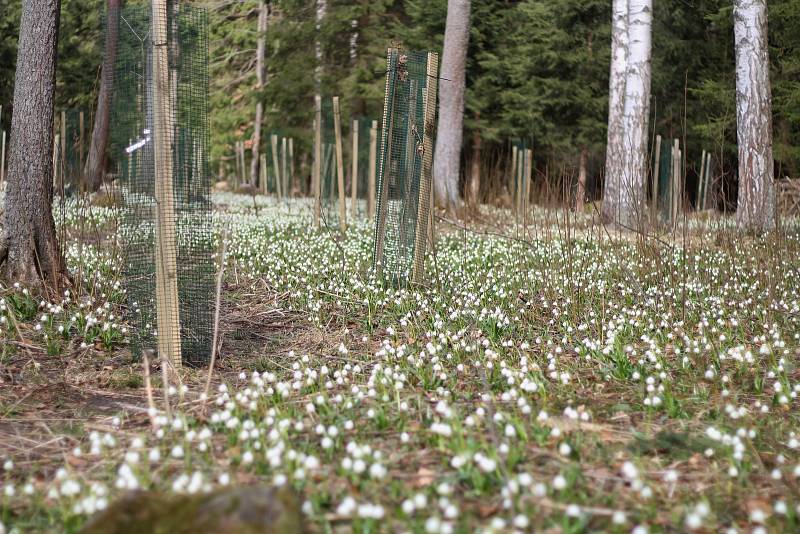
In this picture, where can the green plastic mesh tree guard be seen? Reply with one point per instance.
(140, 104)
(518, 184)
(404, 175)
(362, 179)
(329, 179)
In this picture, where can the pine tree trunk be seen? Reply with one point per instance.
(635, 118)
(447, 156)
(29, 249)
(616, 108)
(96, 161)
(756, 204)
(475, 172)
(260, 48)
(580, 194)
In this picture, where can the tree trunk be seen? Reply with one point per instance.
(580, 194)
(29, 249)
(475, 172)
(637, 107)
(96, 162)
(260, 47)
(756, 204)
(616, 108)
(447, 156)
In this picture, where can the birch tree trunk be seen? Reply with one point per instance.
(756, 205)
(616, 108)
(29, 250)
(447, 156)
(321, 7)
(95, 162)
(259, 118)
(630, 212)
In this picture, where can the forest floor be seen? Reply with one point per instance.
(554, 378)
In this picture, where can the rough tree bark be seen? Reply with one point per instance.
(29, 252)
(634, 169)
(756, 205)
(447, 156)
(96, 161)
(616, 108)
(260, 48)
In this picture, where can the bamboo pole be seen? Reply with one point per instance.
(273, 139)
(168, 311)
(284, 177)
(700, 178)
(424, 200)
(654, 180)
(354, 173)
(315, 175)
(337, 126)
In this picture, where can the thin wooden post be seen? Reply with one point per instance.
(284, 176)
(527, 184)
(263, 172)
(63, 143)
(676, 172)
(384, 173)
(424, 200)
(337, 126)
(167, 308)
(80, 149)
(273, 139)
(513, 185)
(55, 160)
(700, 177)
(373, 155)
(243, 177)
(291, 165)
(354, 173)
(315, 175)
(707, 181)
(654, 180)
(3, 159)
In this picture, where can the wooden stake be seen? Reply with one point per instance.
(315, 174)
(337, 126)
(274, 143)
(513, 185)
(676, 164)
(373, 149)
(63, 144)
(700, 178)
(527, 184)
(654, 180)
(3, 159)
(384, 174)
(707, 181)
(263, 172)
(291, 165)
(167, 308)
(424, 199)
(354, 173)
(284, 177)
(80, 149)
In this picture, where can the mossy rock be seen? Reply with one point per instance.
(241, 510)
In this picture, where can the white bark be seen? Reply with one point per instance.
(322, 6)
(260, 50)
(756, 206)
(634, 168)
(616, 107)
(447, 157)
